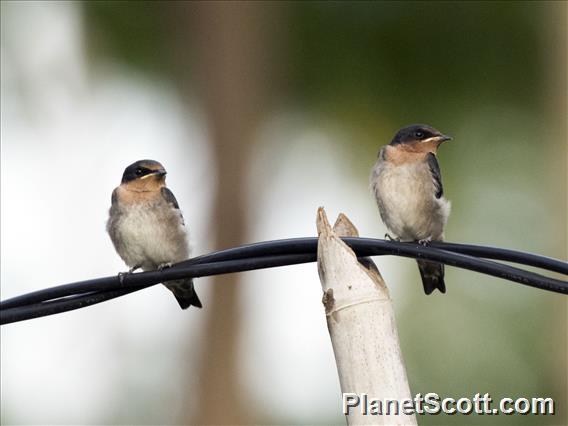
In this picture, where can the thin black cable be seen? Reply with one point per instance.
(277, 247)
(278, 253)
(70, 303)
(362, 246)
(495, 253)
(80, 301)
(302, 245)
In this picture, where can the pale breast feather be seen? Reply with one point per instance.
(406, 196)
(154, 235)
(147, 229)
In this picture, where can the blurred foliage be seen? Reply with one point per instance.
(416, 55)
(135, 36)
(400, 58)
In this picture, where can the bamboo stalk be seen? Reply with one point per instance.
(362, 328)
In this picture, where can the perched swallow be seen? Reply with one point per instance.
(146, 226)
(407, 185)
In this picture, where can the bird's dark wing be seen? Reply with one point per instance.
(114, 197)
(170, 198)
(435, 172)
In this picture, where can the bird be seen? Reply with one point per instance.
(407, 184)
(146, 226)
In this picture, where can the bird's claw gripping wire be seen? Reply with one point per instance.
(163, 266)
(425, 242)
(389, 238)
(121, 276)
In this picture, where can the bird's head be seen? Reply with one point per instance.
(144, 175)
(419, 137)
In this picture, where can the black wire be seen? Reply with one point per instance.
(495, 253)
(302, 245)
(279, 253)
(69, 303)
(362, 246)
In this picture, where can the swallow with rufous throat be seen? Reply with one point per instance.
(407, 185)
(147, 228)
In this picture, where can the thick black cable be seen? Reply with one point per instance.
(278, 253)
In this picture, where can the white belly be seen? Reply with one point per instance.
(406, 197)
(149, 239)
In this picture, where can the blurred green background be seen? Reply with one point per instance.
(292, 102)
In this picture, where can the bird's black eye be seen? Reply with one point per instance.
(138, 172)
(419, 134)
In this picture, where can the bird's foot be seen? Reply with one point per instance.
(163, 266)
(388, 237)
(425, 242)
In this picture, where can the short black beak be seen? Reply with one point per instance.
(444, 138)
(159, 172)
